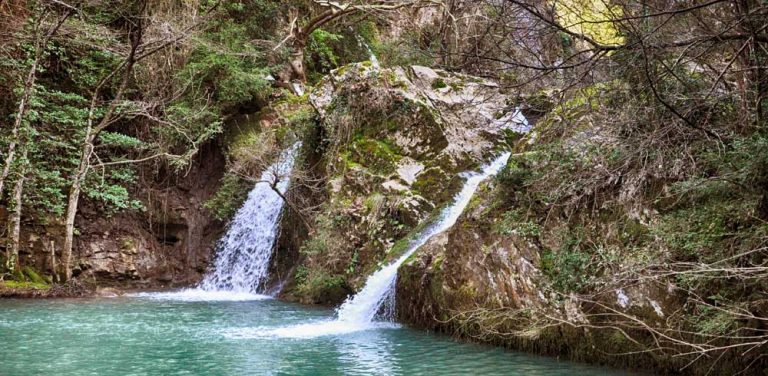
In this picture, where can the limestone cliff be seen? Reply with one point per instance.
(393, 143)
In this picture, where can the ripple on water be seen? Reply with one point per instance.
(149, 336)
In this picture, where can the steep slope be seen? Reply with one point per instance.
(392, 142)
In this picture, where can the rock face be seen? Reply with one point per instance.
(468, 268)
(170, 244)
(167, 244)
(393, 144)
(479, 282)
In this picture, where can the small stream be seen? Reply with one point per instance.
(156, 336)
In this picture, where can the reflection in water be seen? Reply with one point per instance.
(368, 353)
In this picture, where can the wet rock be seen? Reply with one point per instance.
(108, 292)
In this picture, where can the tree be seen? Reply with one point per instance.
(118, 108)
(42, 35)
(655, 85)
(20, 134)
(321, 13)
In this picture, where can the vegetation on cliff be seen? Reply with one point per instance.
(633, 214)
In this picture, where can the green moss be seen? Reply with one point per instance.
(127, 244)
(348, 162)
(393, 81)
(457, 85)
(341, 70)
(376, 155)
(25, 285)
(18, 275)
(373, 201)
(439, 83)
(436, 185)
(437, 262)
(32, 276)
(322, 287)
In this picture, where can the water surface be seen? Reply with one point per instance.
(187, 336)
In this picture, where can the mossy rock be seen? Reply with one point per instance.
(437, 185)
(32, 276)
(24, 285)
(323, 288)
(375, 154)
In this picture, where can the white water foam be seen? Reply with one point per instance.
(198, 295)
(371, 56)
(242, 262)
(515, 121)
(377, 296)
(308, 330)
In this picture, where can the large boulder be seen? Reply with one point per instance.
(395, 141)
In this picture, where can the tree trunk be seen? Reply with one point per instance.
(91, 132)
(54, 272)
(297, 63)
(29, 84)
(14, 224)
(74, 198)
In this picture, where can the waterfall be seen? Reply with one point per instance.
(377, 298)
(378, 293)
(371, 56)
(243, 255)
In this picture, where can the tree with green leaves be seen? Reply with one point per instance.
(21, 134)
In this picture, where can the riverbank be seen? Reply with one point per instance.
(72, 289)
(31, 290)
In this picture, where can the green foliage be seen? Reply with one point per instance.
(234, 80)
(697, 232)
(410, 49)
(110, 192)
(228, 199)
(315, 246)
(353, 263)
(712, 321)
(514, 222)
(439, 83)
(119, 140)
(300, 276)
(568, 269)
(515, 176)
(319, 284)
(320, 52)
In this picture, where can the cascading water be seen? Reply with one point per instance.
(243, 254)
(372, 57)
(242, 261)
(377, 296)
(379, 288)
